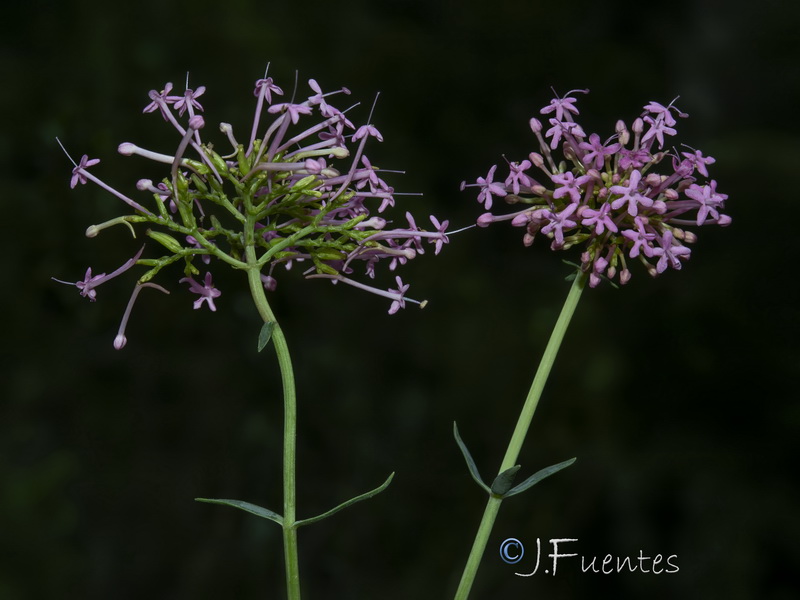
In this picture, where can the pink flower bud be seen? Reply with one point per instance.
(536, 159)
(197, 122)
(521, 220)
(485, 220)
(120, 341)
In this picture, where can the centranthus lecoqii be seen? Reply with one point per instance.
(298, 190)
(625, 198)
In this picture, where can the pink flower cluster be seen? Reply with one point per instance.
(299, 189)
(624, 199)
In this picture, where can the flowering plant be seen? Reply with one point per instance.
(618, 200)
(300, 190)
(286, 203)
(284, 198)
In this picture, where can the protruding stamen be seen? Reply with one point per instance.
(397, 296)
(89, 283)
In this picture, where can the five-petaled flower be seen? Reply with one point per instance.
(78, 174)
(489, 188)
(207, 291)
(90, 282)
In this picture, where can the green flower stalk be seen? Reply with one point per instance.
(299, 193)
(621, 202)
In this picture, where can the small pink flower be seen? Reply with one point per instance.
(207, 291)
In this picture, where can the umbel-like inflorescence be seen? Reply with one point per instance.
(299, 190)
(625, 198)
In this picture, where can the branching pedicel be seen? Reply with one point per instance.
(615, 197)
(276, 193)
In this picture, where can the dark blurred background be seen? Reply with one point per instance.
(677, 395)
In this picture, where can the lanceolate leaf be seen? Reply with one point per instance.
(503, 482)
(538, 476)
(347, 503)
(473, 469)
(265, 334)
(247, 507)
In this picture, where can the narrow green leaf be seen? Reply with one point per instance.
(503, 482)
(538, 476)
(347, 503)
(473, 469)
(265, 334)
(247, 507)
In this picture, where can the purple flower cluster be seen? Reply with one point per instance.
(624, 199)
(299, 190)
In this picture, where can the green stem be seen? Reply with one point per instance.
(289, 426)
(520, 431)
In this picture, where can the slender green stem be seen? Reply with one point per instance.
(289, 426)
(520, 431)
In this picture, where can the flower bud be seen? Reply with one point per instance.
(520, 220)
(539, 190)
(372, 223)
(270, 283)
(536, 159)
(166, 240)
(623, 133)
(660, 207)
(485, 220)
(197, 122)
(652, 179)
